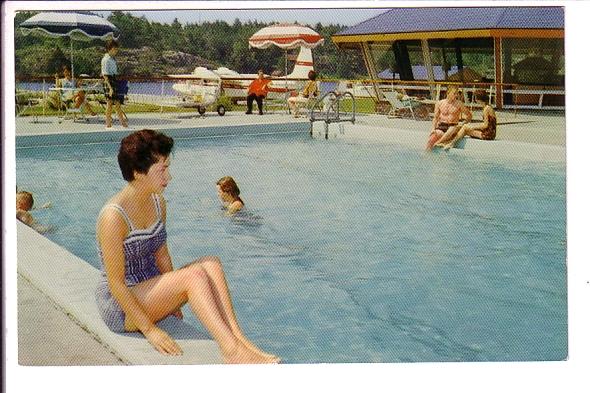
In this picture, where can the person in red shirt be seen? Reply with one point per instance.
(257, 91)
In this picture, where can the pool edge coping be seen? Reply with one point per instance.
(69, 282)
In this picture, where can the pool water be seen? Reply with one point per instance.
(350, 251)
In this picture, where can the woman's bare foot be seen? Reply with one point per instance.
(243, 355)
(251, 346)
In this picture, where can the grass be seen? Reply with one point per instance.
(363, 105)
(37, 110)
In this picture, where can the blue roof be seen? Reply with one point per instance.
(411, 20)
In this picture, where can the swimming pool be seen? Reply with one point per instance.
(350, 251)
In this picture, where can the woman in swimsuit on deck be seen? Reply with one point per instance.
(139, 286)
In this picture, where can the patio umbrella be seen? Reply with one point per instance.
(285, 36)
(78, 26)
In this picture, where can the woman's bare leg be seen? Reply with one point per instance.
(472, 132)
(162, 295)
(460, 134)
(465, 130)
(79, 99)
(448, 135)
(212, 266)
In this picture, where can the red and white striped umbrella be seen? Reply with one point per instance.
(285, 36)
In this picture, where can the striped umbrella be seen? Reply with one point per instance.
(80, 26)
(285, 36)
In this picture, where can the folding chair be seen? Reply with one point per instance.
(399, 105)
(71, 112)
(23, 105)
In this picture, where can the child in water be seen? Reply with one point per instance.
(24, 204)
(229, 193)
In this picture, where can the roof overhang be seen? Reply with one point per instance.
(344, 41)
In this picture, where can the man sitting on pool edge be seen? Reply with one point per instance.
(447, 113)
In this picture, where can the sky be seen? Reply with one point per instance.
(342, 16)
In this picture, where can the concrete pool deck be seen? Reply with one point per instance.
(529, 136)
(528, 127)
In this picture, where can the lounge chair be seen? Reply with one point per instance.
(25, 102)
(398, 105)
(73, 113)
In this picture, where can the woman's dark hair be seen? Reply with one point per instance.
(481, 95)
(312, 75)
(111, 44)
(140, 150)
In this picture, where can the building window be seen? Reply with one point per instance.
(539, 61)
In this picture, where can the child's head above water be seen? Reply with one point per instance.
(228, 186)
(24, 200)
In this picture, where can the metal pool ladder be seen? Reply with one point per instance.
(327, 109)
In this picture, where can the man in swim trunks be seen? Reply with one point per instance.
(447, 114)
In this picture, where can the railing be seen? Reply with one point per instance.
(327, 109)
(158, 91)
(501, 95)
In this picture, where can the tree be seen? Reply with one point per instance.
(143, 43)
(56, 60)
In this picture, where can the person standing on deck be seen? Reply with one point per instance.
(109, 74)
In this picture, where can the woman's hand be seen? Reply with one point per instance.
(162, 341)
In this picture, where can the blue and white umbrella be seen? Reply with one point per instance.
(78, 26)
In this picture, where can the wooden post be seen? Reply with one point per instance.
(499, 72)
(428, 65)
(370, 64)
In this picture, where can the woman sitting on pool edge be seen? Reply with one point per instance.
(139, 286)
(229, 193)
(485, 131)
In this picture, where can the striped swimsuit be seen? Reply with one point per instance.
(139, 248)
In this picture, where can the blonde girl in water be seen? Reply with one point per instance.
(139, 285)
(229, 193)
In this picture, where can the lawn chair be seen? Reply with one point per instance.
(73, 113)
(25, 103)
(311, 102)
(399, 105)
